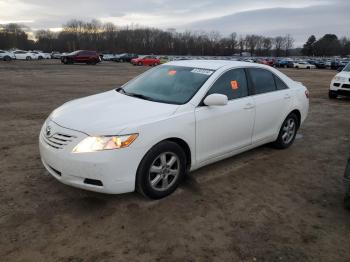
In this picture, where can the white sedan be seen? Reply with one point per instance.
(40, 55)
(6, 55)
(303, 65)
(172, 119)
(24, 55)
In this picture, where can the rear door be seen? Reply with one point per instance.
(273, 101)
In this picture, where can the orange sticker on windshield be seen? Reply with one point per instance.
(234, 85)
(172, 72)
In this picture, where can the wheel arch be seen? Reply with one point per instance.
(298, 114)
(185, 147)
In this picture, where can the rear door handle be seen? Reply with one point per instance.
(287, 96)
(249, 106)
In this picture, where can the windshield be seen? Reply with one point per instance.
(347, 68)
(168, 84)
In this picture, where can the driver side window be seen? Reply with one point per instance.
(233, 84)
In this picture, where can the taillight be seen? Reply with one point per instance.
(307, 94)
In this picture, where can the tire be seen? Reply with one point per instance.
(40, 58)
(308, 67)
(28, 58)
(347, 202)
(297, 67)
(139, 63)
(287, 133)
(155, 64)
(168, 161)
(332, 94)
(7, 58)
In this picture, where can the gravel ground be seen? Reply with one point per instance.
(263, 205)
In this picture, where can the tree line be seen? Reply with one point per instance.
(95, 35)
(328, 45)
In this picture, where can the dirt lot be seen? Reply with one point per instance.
(263, 205)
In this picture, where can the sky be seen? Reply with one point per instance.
(300, 18)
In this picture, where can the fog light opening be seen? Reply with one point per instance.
(93, 182)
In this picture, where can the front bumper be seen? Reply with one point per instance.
(341, 88)
(112, 171)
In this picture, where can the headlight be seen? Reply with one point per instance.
(93, 144)
(340, 79)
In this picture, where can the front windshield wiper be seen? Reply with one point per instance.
(121, 90)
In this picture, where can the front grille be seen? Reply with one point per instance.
(346, 86)
(336, 84)
(58, 140)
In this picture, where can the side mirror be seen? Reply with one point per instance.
(215, 100)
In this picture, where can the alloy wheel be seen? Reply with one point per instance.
(164, 171)
(289, 130)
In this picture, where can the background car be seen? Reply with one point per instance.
(40, 55)
(147, 60)
(24, 55)
(81, 56)
(6, 55)
(163, 59)
(108, 57)
(303, 65)
(340, 84)
(126, 57)
(56, 55)
(320, 64)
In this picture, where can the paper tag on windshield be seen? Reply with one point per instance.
(202, 71)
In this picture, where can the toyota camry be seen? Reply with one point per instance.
(173, 119)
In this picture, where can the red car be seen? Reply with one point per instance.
(147, 60)
(81, 56)
(269, 62)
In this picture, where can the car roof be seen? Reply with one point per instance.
(213, 64)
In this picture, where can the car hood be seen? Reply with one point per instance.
(344, 74)
(109, 113)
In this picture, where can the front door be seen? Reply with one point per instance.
(223, 129)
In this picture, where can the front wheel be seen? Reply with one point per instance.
(287, 133)
(7, 58)
(28, 58)
(161, 170)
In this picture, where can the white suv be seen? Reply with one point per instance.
(340, 84)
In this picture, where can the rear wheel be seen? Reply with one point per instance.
(332, 94)
(139, 63)
(161, 170)
(7, 58)
(28, 58)
(287, 133)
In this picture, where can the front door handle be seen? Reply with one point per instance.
(249, 106)
(287, 96)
